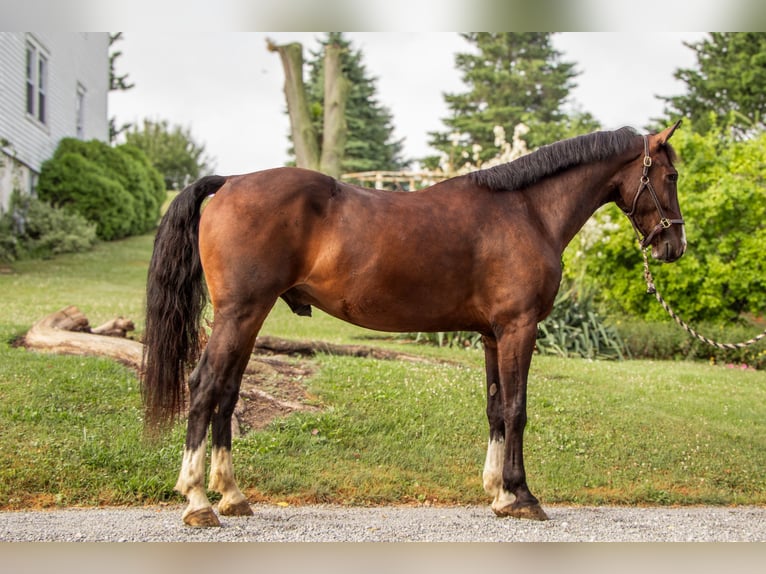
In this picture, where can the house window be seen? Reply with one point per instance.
(80, 112)
(37, 83)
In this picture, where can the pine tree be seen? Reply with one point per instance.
(512, 78)
(728, 87)
(116, 83)
(369, 139)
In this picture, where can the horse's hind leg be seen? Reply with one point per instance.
(233, 502)
(214, 389)
(191, 479)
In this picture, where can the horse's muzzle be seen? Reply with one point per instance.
(668, 251)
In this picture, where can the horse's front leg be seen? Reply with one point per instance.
(191, 479)
(514, 355)
(493, 464)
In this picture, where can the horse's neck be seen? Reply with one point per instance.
(566, 201)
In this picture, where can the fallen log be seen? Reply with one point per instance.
(312, 348)
(68, 332)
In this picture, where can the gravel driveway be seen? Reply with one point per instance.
(392, 524)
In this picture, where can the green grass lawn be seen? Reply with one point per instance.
(633, 432)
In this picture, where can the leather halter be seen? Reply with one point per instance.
(664, 222)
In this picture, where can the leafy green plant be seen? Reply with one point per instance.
(115, 188)
(452, 339)
(575, 329)
(722, 276)
(35, 229)
(172, 150)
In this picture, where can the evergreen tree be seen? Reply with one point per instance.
(116, 83)
(369, 140)
(512, 78)
(728, 87)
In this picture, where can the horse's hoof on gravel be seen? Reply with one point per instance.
(534, 512)
(241, 508)
(202, 518)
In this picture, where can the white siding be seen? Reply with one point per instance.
(76, 60)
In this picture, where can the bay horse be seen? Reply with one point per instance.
(478, 252)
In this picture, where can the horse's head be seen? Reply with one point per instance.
(649, 197)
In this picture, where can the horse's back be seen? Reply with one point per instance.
(439, 259)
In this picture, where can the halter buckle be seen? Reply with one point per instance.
(665, 222)
(647, 161)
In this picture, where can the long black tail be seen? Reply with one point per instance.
(175, 299)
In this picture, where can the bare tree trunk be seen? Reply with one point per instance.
(305, 139)
(336, 87)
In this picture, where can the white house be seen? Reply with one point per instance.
(52, 85)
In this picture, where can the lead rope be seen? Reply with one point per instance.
(652, 290)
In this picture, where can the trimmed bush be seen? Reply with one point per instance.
(668, 341)
(116, 188)
(71, 181)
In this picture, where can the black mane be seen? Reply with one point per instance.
(553, 158)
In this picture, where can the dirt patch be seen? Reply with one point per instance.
(274, 382)
(273, 386)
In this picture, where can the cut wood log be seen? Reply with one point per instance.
(311, 348)
(117, 327)
(67, 331)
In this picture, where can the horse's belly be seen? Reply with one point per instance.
(401, 311)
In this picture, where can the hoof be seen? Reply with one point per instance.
(241, 508)
(202, 518)
(533, 512)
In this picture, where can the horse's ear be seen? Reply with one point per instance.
(664, 135)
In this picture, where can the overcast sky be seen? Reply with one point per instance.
(227, 87)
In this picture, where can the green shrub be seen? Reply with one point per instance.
(35, 229)
(150, 181)
(668, 341)
(115, 188)
(8, 240)
(722, 276)
(73, 182)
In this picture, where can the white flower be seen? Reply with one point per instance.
(520, 130)
(499, 132)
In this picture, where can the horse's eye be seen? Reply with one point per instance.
(672, 177)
